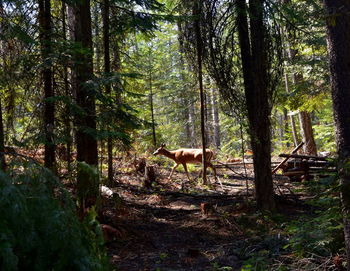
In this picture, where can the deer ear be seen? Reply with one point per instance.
(163, 145)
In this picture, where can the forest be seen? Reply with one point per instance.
(174, 135)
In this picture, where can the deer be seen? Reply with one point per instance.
(187, 156)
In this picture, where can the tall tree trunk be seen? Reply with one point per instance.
(2, 143)
(185, 97)
(286, 125)
(85, 99)
(197, 12)
(292, 121)
(49, 109)
(107, 69)
(189, 107)
(338, 31)
(150, 71)
(2, 134)
(117, 66)
(280, 123)
(192, 122)
(253, 53)
(215, 118)
(67, 120)
(97, 48)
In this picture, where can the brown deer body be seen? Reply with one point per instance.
(187, 156)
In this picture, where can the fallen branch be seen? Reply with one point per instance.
(287, 157)
(304, 157)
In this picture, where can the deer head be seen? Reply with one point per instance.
(159, 150)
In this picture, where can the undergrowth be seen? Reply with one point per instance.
(39, 229)
(308, 242)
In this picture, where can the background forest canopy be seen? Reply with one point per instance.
(150, 73)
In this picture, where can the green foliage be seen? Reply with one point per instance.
(39, 229)
(321, 233)
(161, 66)
(258, 252)
(318, 233)
(88, 185)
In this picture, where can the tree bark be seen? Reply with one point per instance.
(154, 138)
(307, 133)
(197, 12)
(97, 47)
(107, 70)
(215, 118)
(67, 119)
(2, 143)
(292, 121)
(189, 127)
(338, 32)
(286, 125)
(49, 109)
(2, 134)
(85, 99)
(192, 121)
(253, 54)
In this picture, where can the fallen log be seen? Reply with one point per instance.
(310, 163)
(312, 169)
(318, 158)
(292, 173)
(223, 165)
(288, 156)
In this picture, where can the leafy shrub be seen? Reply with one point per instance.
(39, 229)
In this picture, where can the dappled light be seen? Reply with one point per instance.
(174, 135)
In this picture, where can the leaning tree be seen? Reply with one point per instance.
(243, 54)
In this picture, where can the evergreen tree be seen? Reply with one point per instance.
(338, 30)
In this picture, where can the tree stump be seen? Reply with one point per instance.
(150, 176)
(140, 165)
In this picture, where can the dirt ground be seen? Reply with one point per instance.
(177, 224)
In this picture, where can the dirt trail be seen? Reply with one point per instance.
(166, 229)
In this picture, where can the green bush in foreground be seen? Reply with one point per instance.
(39, 229)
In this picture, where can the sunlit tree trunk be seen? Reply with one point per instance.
(291, 116)
(338, 31)
(151, 102)
(307, 133)
(49, 109)
(285, 126)
(215, 119)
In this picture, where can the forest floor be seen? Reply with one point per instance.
(180, 225)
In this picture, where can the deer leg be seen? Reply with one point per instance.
(185, 167)
(172, 171)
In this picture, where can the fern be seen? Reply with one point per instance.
(39, 229)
